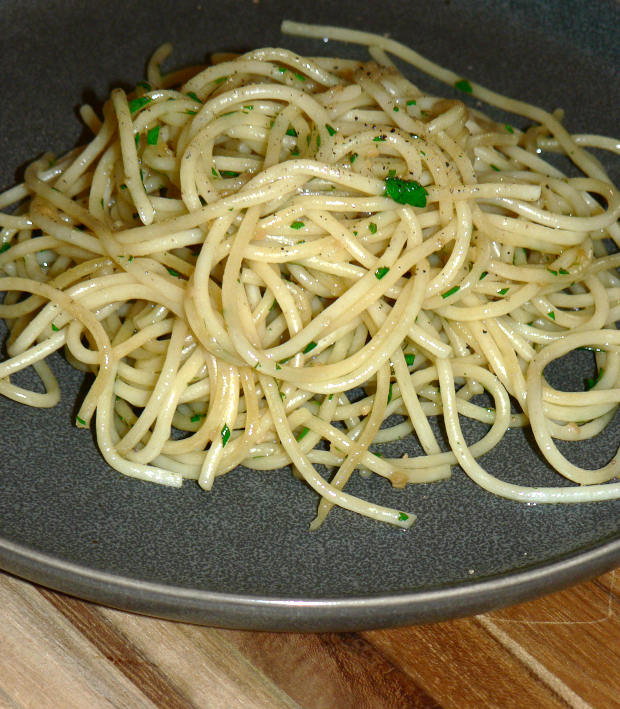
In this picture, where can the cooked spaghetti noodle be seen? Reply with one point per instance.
(243, 248)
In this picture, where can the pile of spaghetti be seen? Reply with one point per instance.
(263, 260)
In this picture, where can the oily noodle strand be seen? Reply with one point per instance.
(265, 259)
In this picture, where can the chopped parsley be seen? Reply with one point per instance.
(372, 228)
(563, 272)
(402, 517)
(409, 359)
(463, 85)
(330, 130)
(555, 273)
(190, 112)
(395, 109)
(221, 79)
(484, 274)
(309, 347)
(137, 103)
(80, 420)
(353, 158)
(411, 102)
(282, 69)
(494, 167)
(291, 131)
(152, 136)
(301, 77)
(5, 247)
(452, 291)
(172, 272)
(193, 96)
(380, 272)
(303, 432)
(379, 138)
(297, 225)
(54, 328)
(405, 191)
(144, 85)
(196, 417)
(503, 291)
(591, 382)
(229, 173)
(551, 314)
(509, 128)
(225, 435)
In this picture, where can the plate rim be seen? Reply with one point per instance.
(306, 614)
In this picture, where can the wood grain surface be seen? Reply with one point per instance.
(562, 650)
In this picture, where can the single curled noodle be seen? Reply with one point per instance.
(243, 248)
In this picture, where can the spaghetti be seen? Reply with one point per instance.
(263, 260)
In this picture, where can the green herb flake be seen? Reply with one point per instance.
(193, 96)
(379, 138)
(590, 383)
(172, 272)
(80, 421)
(229, 173)
(295, 152)
(405, 191)
(396, 109)
(551, 314)
(282, 69)
(484, 274)
(563, 272)
(54, 328)
(464, 86)
(318, 141)
(509, 128)
(330, 397)
(282, 395)
(380, 272)
(372, 228)
(214, 172)
(291, 131)
(309, 347)
(303, 432)
(301, 77)
(494, 167)
(137, 139)
(5, 247)
(137, 103)
(452, 291)
(225, 435)
(297, 225)
(353, 158)
(221, 79)
(123, 186)
(402, 517)
(409, 359)
(144, 85)
(190, 112)
(330, 130)
(411, 102)
(503, 291)
(555, 273)
(196, 417)
(152, 136)
(390, 393)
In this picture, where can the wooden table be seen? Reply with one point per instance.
(559, 651)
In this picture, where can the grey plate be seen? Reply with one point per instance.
(242, 555)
